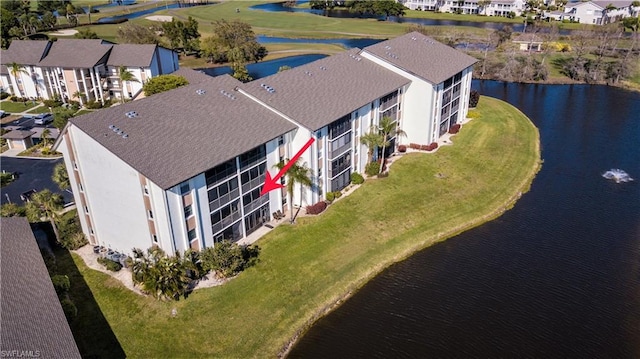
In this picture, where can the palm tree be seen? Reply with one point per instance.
(46, 133)
(388, 127)
(372, 140)
(16, 70)
(80, 96)
(60, 176)
(125, 76)
(297, 173)
(45, 204)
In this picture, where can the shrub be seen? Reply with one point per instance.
(109, 264)
(74, 241)
(228, 259)
(357, 178)
(402, 148)
(424, 147)
(330, 196)
(54, 102)
(317, 208)
(61, 284)
(4, 95)
(70, 310)
(473, 114)
(75, 105)
(338, 194)
(383, 174)
(414, 146)
(454, 129)
(49, 262)
(474, 97)
(372, 168)
(432, 146)
(93, 105)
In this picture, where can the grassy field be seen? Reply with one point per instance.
(305, 269)
(11, 107)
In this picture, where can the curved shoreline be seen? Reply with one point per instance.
(492, 214)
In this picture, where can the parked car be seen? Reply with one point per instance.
(43, 119)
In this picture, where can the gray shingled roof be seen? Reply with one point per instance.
(338, 85)
(131, 55)
(179, 134)
(32, 318)
(619, 4)
(422, 56)
(24, 52)
(76, 53)
(193, 76)
(17, 135)
(3, 69)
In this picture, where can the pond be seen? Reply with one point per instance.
(556, 276)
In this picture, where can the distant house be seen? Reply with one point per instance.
(595, 12)
(82, 69)
(33, 322)
(528, 42)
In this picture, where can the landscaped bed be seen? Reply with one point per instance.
(307, 268)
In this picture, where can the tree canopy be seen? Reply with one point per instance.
(136, 34)
(182, 34)
(163, 83)
(232, 41)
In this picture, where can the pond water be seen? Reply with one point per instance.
(266, 68)
(557, 276)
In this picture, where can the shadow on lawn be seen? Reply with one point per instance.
(90, 328)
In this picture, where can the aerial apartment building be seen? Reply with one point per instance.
(185, 168)
(81, 69)
(495, 8)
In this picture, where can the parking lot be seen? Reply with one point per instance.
(32, 175)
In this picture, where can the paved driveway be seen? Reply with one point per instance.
(33, 174)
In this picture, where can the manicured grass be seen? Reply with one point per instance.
(11, 107)
(40, 109)
(306, 268)
(83, 111)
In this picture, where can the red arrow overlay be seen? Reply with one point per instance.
(272, 183)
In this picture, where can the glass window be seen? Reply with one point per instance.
(221, 172)
(184, 188)
(191, 234)
(188, 211)
(340, 126)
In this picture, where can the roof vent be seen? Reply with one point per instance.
(115, 129)
(111, 127)
(358, 58)
(268, 88)
(323, 68)
(201, 92)
(414, 38)
(227, 94)
(131, 114)
(308, 73)
(125, 136)
(388, 47)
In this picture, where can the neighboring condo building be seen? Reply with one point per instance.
(595, 12)
(495, 8)
(184, 169)
(81, 69)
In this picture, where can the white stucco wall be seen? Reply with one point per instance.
(113, 193)
(418, 105)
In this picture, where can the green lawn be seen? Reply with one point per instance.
(305, 269)
(40, 109)
(12, 107)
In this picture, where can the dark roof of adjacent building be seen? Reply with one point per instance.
(193, 76)
(17, 135)
(131, 55)
(323, 91)
(179, 134)
(32, 318)
(422, 56)
(76, 53)
(24, 52)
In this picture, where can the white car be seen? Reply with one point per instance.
(43, 119)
